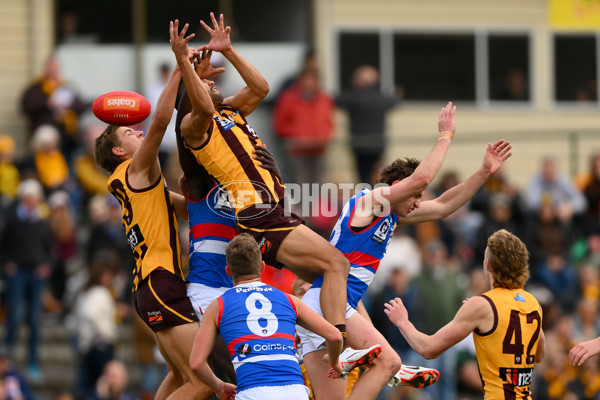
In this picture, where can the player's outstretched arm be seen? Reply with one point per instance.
(469, 316)
(144, 163)
(257, 87)
(584, 350)
(423, 174)
(203, 344)
(194, 126)
(309, 319)
(454, 198)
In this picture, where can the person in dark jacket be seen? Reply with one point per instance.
(367, 108)
(26, 258)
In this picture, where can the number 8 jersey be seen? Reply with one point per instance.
(506, 353)
(258, 323)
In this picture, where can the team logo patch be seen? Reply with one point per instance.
(380, 234)
(244, 349)
(223, 203)
(154, 317)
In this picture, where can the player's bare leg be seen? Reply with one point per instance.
(323, 386)
(172, 381)
(177, 343)
(362, 335)
(304, 249)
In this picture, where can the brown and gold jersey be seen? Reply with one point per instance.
(227, 155)
(150, 224)
(506, 353)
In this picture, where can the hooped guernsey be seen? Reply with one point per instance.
(150, 224)
(364, 249)
(506, 354)
(227, 155)
(212, 226)
(257, 323)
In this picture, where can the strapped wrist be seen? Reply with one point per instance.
(446, 133)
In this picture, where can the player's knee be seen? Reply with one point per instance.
(338, 264)
(175, 377)
(390, 362)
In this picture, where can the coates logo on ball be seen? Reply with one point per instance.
(115, 103)
(121, 108)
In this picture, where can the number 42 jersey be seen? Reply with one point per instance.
(258, 324)
(506, 354)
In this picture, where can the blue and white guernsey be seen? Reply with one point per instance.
(212, 226)
(363, 249)
(257, 323)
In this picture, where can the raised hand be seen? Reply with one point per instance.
(496, 154)
(396, 311)
(202, 63)
(219, 34)
(179, 43)
(446, 119)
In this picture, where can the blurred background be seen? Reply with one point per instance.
(354, 85)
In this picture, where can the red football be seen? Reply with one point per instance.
(121, 108)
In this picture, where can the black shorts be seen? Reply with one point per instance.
(161, 301)
(268, 224)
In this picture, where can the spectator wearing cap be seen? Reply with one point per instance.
(50, 164)
(26, 258)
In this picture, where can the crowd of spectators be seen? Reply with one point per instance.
(64, 257)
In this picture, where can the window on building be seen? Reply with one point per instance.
(508, 67)
(356, 49)
(106, 21)
(160, 13)
(110, 21)
(435, 66)
(575, 68)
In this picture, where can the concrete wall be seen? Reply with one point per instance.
(542, 127)
(26, 41)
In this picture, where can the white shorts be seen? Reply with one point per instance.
(310, 340)
(201, 296)
(285, 392)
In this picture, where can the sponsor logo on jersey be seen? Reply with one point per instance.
(226, 124)
(519, 297)
(253, 289)
(244, 349)
(272, 346)
(516, 376)
(111, 103)
(381, 233)
(134, 236)
(154, 317)
(264, 245)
